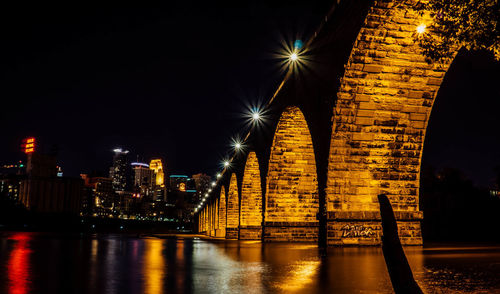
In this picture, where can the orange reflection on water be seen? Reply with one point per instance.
(154, 266)
(18, 267)
(299, 276)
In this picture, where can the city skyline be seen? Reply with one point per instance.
(127, 84)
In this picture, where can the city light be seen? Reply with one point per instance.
(120, 150)
(421, 28)
(139, 164)
(28, 145)
(256, 115)
(294, 56)
(206, 194)
(237, 144)
(226, 163)
(213, 184)
(219, 175)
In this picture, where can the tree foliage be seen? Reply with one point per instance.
(470, 24)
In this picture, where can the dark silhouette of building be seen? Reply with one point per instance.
(120, 171)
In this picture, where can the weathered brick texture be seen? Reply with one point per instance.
(233, 210)
(292, 186)
(221, 232)
(211, 231)
(381, 114)
(251, 200)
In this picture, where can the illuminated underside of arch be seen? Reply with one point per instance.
(380, 118)
(232, 216)
(251, 200)
(221, 228)
(291, 202)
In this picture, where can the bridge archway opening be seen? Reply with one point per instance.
(461, 151)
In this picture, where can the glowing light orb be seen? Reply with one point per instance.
(294, 56)
(226, 163)
(421, 28)
(213, 184)
(219, 175)
(255, 116)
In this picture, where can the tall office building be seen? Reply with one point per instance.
(143, 175)
(160, 190)
(157, 166)
(120, 171)
(202, 183)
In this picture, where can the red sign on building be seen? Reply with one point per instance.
(28, 145)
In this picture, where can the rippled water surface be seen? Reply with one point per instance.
(55, 263)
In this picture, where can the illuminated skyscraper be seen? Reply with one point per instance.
(120, 170)
(157, 166)
(143, 175)
(160, 191)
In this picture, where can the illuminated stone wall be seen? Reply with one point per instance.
(216, 212)
(233, 211)
(251, 200)
(212, 218)
(205, 220)
(221, 231)
(291, 202)
(379, 124)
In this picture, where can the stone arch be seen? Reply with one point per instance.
(210, 218)
(379, 123)
(233, 211)
(221, 231)
(292, 201)
(251, 200)
(216, 211)
(205, 220)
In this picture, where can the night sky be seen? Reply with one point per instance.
(174, 81)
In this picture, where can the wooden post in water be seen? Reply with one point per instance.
(399, 270)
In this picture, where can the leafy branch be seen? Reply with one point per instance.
(471, 24)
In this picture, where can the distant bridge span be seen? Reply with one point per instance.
(350, 131)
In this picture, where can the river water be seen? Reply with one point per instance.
(65, 263)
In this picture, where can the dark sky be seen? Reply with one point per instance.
(173, 81)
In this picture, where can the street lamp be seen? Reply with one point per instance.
(421, 28)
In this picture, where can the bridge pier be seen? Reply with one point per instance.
(221, 230)
(251, 201)
(233, 210)
(292, 200)
(291, 232)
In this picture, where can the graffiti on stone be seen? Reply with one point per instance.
(351, 231)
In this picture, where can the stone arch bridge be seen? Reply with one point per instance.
(348, 128)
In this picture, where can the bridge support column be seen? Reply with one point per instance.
(291, 231)
(251, 201)
(221, 231)
(379, 123)
(365, 227)
(233, 211)
(292, 201)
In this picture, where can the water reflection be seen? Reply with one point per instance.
(49, 263)
(298, 276)
(154, 267)
(18, 267)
